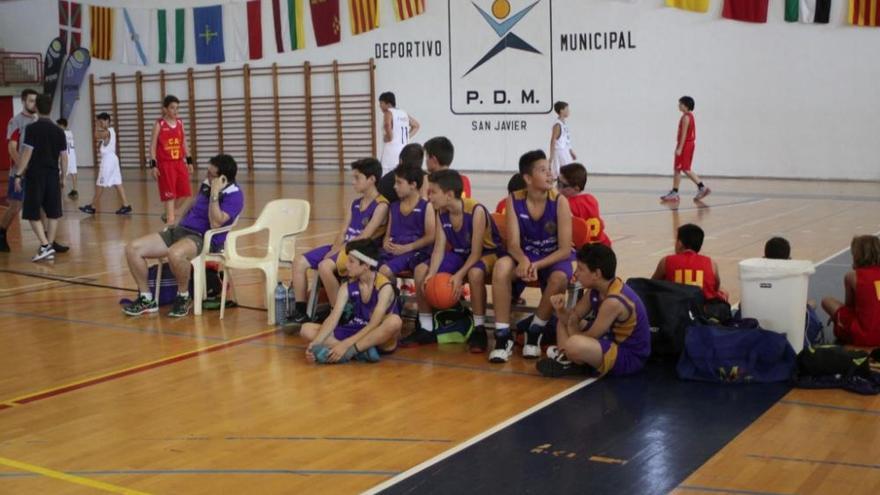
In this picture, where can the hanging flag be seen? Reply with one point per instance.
(325, 21)
(136, 35)
(52, 66)
(692, 5)
(208, 25)
(172, 40)
(864, 12)
(244, 30)
(75, 68)
(102, 32)
(287, 17)
(808, 11)
(70, 24)
(746, 10)
(364, 15)
(404, 9)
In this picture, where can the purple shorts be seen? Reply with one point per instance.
(404, 262)
(564, 266)
(452, 262)
(619, 361)
(316, 255)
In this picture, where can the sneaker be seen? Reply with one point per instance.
(371, 355)
(60, 248)
(44, 253)
(502, 351)
(141, 306)
(297, 318)
(466, 292)
(125, 210)
(702, 193)
(532, 346)
(478, 341)
(420, 336)
(670, 196)
(88, 209)
(164, 218)
(73, 194)
(556, 364)
(181, 306)
(4, 245)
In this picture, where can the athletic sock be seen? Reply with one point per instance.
(183, 294)
(147, 296)
(537, 322)
(502, 330)
(299, 307)
(701, 185)
(426, 322)
(479, 320)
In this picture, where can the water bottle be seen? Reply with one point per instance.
(291, 300)
(280, 304)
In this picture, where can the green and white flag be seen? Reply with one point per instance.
(171, 36)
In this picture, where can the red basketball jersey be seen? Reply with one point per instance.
(169, 146)
(692, 129)
(586, 207)
(693, 269)
(868, 298)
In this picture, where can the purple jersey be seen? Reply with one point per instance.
(363, 311)
(408, 228)
(460, 239)
(360, 219)
(633, 334)
(538, 238)
(231, 201)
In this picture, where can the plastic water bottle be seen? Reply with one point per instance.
(280, 304)
(291, 300)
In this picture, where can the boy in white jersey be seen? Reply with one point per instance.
(109, 174)
(71, 158)
(398, 128)
(561, 153)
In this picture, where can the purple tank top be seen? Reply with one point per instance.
(634, 332)
(460, 240)
(408, 228)
(360, 219)
(538, 238)
(364, 311)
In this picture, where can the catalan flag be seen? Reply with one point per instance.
(864, 12)
(692, 5)
(404, 9)
(102, 19)
(364, 15)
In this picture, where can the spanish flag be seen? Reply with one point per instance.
(404, 9)
(364, 15)
(102, 32)
(864, 12)
(692, 5)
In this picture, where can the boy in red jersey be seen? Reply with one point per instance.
(439, 152)
(684, 152)
(689, 267)
(170, 160)
(515, 183)
(571, 183)
(857, 320)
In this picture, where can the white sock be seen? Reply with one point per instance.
(148, 296)
(426, 321)
(183, 294)
(538, 322)
(479, 320)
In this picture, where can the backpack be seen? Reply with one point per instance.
(832, 366)
(671, 308)
(453, 325)
(168, 284)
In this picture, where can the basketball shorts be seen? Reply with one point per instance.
(315, 256)
(848, 329)
(173, 181)
(618, 361)
(343, 332)
(404, 262)
(564, 266)
(42, 191)
(452, 262)
(684, 160)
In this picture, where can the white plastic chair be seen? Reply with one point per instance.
(283, 218)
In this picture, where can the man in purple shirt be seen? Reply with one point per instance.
(217, 204)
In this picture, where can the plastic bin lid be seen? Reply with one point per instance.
(762, 268)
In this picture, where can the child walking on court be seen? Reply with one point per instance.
(684, 152)
(561, 153)
(109, 174)
(71, 158)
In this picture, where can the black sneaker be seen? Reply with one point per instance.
(4, 245)
(125, 210)
(478, 342)
(141, 306)
(556, 364)
(532, 345)
(73, 194)
(297, 318)
(503, 349)
(60, 248)
(420, 336)
(88, 209)
(181, 307)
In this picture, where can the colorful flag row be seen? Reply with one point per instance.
(230, 31)
(860, 13)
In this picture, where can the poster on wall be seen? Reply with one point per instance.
(52, 66)
(75, 68)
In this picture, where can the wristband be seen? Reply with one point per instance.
(189, 160)
(152, 163)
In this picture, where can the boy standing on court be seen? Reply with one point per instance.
(398, 127)
(71, 158)
(170, 160)
(684, 152)
(109, 174)
(410, 231)
(561, 153)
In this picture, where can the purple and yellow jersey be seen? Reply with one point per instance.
(460, 239)
(360, 218)
(537, 238)
(363, 311)
(410, 227)
(633, 332)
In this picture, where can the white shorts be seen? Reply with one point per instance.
(561, 157)
(390, 157)
(71, 162)
(109, 174)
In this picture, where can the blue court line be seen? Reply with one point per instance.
(814, 461)
(829, 406)
(294, 472)
(697, 488)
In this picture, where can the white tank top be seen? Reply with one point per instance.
(70, 145)
(399, 127)
(110, 147)
(564, 140)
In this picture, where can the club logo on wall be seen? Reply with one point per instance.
(500, 57)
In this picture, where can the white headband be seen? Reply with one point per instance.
(364, 258)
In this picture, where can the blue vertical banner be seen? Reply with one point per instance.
(208, 25)
(75, 68)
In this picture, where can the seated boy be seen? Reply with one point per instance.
(571, 183)
(857, 318)
(365, 219)
(466, 226)
(538, 247)
(515, 183)
(438, 156)
(410, 229)
(689, 267)
(615, 338)
(372, 325)
(411, 155)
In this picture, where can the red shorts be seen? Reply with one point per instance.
(848, 329)
(683, 161)
(173, 181)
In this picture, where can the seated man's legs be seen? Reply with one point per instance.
(179, 256)
(138, 251)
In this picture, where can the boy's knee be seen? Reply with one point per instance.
(557, 281)
(476, 276)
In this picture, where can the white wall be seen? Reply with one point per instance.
(775, 99)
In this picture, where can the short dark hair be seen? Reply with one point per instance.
(441, 148)
(777, 248)
(528, 159)
(389, 98)
(691, 237)
(413, 175)
(575, 174)
(103, 116)
(447, 180)
(225, 166)
(516, 183)
(559, 106)
(27, 92)
(169, 100)
(44, 104)
(599, 257)
(61, 122)
(370, 167)
(412, 154)
(688, 102)
(366, 247)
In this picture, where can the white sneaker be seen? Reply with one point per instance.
(44, 253)
(502, 351)
(555, 354)
(532, 347)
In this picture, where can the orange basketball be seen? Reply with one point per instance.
(438, 291)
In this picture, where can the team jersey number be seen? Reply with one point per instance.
(689, 277)
(877, 289)
(594, 228)
(404, 134)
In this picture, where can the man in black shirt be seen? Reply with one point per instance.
(411, 155)
(44, 146)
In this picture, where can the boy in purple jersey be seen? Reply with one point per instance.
(607, 331)
(466, 226)
(410, 229)
(539, 248)
(365, 219)
(365, 320)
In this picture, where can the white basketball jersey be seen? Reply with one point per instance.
(399, 128)
(110, 147)
(563, 142)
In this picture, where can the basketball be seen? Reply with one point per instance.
(438, 291)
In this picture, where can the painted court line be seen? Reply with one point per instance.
(473, 440)
(697, 488)
(814, 461)
(212, 472)
(830, 406)
(70, 478)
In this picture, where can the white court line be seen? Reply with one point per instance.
(835, 255)
(467, 443)
(687, 210)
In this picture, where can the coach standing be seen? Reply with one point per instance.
(44, 147)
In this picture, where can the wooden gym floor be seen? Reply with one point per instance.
(93, 401)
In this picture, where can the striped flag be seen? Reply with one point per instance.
(136, 35)
(102, 32)
(692, 5)
(864, 12)
(364, 15)
(404, 9)
(172, 40)
(746, 10)
(244, 25)
(70, 24)
(808, 11)
(287, 17)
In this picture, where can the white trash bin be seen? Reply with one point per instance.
(775, 293)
